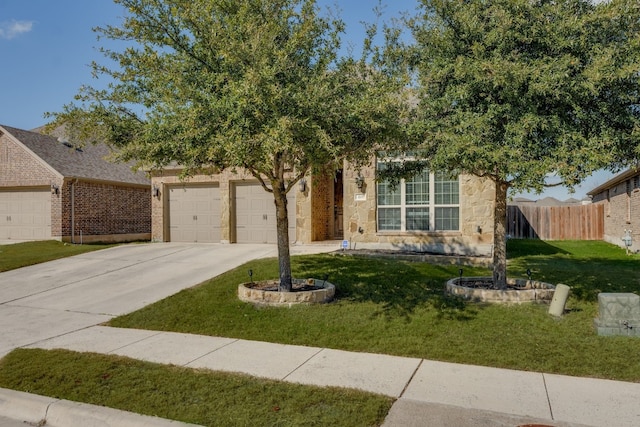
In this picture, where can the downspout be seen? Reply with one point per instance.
(73, 210)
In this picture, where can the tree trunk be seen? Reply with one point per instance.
(282, 224)
(500, 235)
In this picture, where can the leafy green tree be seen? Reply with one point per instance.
(516, 90)
(252, 84)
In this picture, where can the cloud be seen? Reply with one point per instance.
(9, 30)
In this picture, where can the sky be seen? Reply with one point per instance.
(46, 47)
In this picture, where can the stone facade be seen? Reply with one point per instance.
(621, 199)
(163, 179)
(475, 236)
(332, 207)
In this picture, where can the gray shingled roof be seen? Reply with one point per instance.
(88, 162)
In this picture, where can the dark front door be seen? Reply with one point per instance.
(338, 218)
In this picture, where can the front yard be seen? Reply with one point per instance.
(399, 308)
(383, 306)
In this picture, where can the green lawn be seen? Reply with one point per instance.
(188, 395)
(28, 253)
(382, 305)
(399, 308)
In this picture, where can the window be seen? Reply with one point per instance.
(429, 201)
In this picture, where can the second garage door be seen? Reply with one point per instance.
(256, 215)
(25, 215)
(194, 214)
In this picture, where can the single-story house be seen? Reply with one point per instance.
(433, 212)
(621, 198)
(52, 189)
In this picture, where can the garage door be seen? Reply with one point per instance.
(194, 214)
(25, 215)
(256, 215)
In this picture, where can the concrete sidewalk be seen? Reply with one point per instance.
(428, 392)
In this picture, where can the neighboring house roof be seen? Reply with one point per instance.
(521, 201)
(630, 173)
(546, 201)
(88, 162)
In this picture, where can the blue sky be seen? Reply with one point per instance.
(46, 47)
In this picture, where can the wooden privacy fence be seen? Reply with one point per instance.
(581, 222)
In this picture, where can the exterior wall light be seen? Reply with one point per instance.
(302, 185)
(55, 189)
(360, 182)
(155, 191)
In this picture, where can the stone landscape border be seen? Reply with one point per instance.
(518, 291)
(323, 293)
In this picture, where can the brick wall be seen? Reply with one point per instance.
(102, 209)
(621, 211)
(19, 170)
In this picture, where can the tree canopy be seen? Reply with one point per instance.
(218, 84)
(516, 90)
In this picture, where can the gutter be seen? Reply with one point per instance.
(630, 173)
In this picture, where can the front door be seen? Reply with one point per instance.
(338, 217)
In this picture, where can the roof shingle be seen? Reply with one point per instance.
(88, 162)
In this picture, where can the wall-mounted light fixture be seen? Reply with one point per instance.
(302, 185)
(478, 229)
(55, 189)
(155, 191)
(360, 182)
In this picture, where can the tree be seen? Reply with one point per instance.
(252, 84)
(516, 90)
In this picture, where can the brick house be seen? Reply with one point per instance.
(50, 189)
(433, 212)
(621, 199)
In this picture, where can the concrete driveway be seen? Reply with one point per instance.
(70, 294)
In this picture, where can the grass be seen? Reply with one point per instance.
(19, 255)
(382, 306)
(188, 395)
(399, 308)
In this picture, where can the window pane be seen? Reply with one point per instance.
(418, 219)
(389, 219)
(447, 189)
(417, 189)
(447, 219)
(387, 195)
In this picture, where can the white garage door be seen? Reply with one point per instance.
(256, 215)
(25, 215)
(194, 214)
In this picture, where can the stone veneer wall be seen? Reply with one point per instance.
(476, 210)
(314, 208)
(225, 180)
(621, 212)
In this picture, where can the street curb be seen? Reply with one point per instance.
(41, 410)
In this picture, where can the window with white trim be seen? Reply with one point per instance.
(429, 201)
